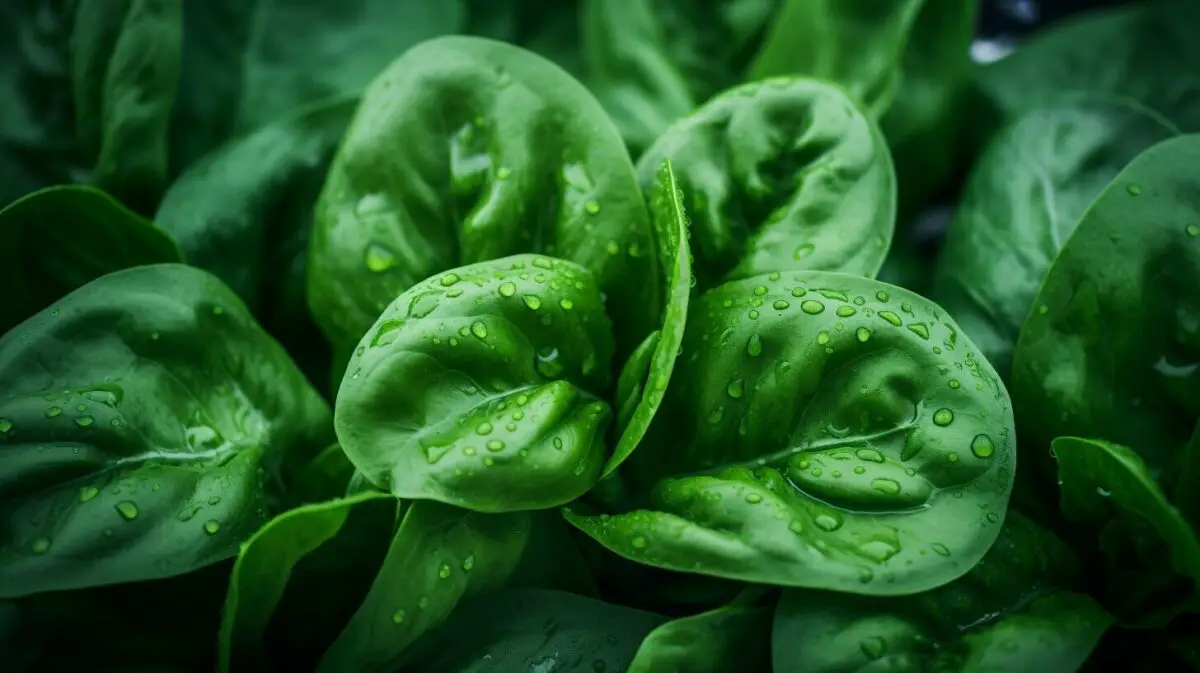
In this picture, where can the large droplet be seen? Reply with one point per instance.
(736, 388)
(379, 258)
(943, 417)
(811, 306)
(754, 347)
(982, 446)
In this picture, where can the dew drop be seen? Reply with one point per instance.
(40, 545)
(212, 526)
(940, 549)
(444, 571)
(399, 616)
(803, 250)
(845, 311)
(943, 417)
(811, 306)
(127, 509)
(754, 347)
(890, 317)
(53, 412)
(479, 329)
(886, 486)
(862, 334)
(449, 279)
(533, 301)
(736, 388)
(780, 305)
(84, 421)
(982, 446)
(1134, 190)
(882, 295)
(828, 523)
(379, 258)
(507, 288)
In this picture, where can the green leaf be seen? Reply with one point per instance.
(440, 556)
(1143, 51)
(1021, 203)
(58, 239)
(38, 144)
(263, 572)
(429, 178)
(532, 630)
(125, 71)
(1112, 345)
(1105, 485)
(671, 235)
(842, 434)
(1008, 614)
(473, 388)
(856, 44)
(780, 175)
(733, 637)
(145, 421)
(244, 213)
(650, 61)
(247, 64)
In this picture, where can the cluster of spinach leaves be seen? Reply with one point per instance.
(600, 335)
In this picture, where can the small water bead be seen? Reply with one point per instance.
(507, 289)
(1193, 230)
(845, 311)
(566, 304)
(503, 173)
(1134, 190)
(812, 307)
(716, 415)
(953, 384)
(736, 388)
(882, 295)
(495, 445)
(862, 334)
(84, 421)
(40, 545)
(639, 542)
(827, 523)
(891, 318)
(920, 329)
(799, 292)
(468, 563)
(1043, 309)
(753, 314)
(753, 498)
(212, 526)
(816, 472)
(803, 250)
(127, 509)
(993, 517)
(53, 412)
(613, 248)
(869, 455)
(479, 329)
(484, 428)
(379, 258)
(943, 417)
(760, 290)
(823, 338)
(399, 616)
(592, 207)
(87, 493)
(533, 301)
(859, 469)
(873, 647)
(468, 451)
(952, 457)
(780, 305)
(444, 571)
(449, 279)
(886, 486)
(982, 446)
(754, 346)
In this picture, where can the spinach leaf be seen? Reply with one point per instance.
(650, 62)
(646, 374)
(1144, 51)
(244, 213)
(439, 556)
(147, 425)
(247, 64)
(38, 145)
(841, 433)
(532, 630)
(1112, 345)
(734, 636)
(57, 239)
(125, 68)
(1109, 489)
(1010, 612)
(1023, 200)
(473, 388)
(781, 175)
(464, 150)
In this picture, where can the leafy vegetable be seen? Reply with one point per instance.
(839, 431)
(1010, 612)
(144, 433)
(1021, 204)
(783, 175)
(454, 144)
(93, 235)
(598, 336)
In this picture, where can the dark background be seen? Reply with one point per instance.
(1013, 18)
